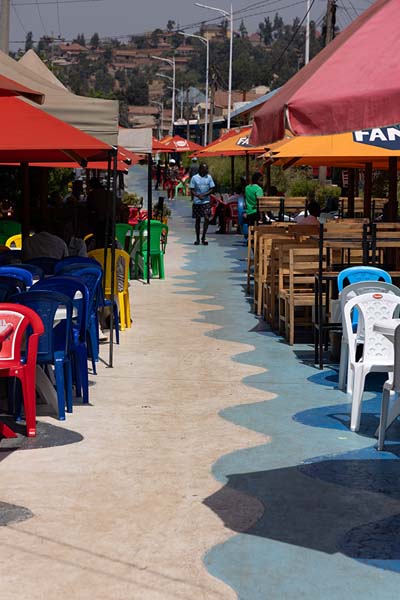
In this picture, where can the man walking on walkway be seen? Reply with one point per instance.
(201, 186)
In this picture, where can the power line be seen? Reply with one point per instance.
(19, 19)
(293, 37)
(58, 18)
(55, 2)
(40, 17)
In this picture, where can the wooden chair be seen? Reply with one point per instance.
(261, 267)
(294, 204)
(272, 204)
(299, 293)
(253, 232)
(271, 286)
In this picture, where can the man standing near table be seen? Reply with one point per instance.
(201, 186)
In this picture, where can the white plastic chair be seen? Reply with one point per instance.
(351, 291)
(377, 351)
(392, 385)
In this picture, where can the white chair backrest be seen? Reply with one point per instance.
(364, 287)
(373, 307)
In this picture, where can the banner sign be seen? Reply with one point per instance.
(380, 137)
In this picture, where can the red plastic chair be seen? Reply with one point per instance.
(231, 215)
(14, 322)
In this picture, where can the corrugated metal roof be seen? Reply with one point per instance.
(250, 105)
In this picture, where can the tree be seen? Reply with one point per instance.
(155, 37)
(265, 29)
(242, 29)
(277, 27)
(224, 27)
(137, 90)
(80, 39)
(29, 41)
(95, 41)
(170, 25)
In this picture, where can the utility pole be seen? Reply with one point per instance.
(5, 26)
(330, 21)
(213, 86)
(307, 54)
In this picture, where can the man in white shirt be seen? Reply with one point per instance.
(201, 186)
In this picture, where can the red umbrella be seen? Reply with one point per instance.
(28, 134)
(352, 84)
(158, 146)
(179, 144)
(8, 87)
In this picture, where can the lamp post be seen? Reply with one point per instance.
(229, 15)
(171, 62)
(206, 42)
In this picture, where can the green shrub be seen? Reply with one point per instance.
(324, 193)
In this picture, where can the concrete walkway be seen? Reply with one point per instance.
(214, 462)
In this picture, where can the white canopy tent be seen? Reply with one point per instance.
(94, 116)
(136, 140)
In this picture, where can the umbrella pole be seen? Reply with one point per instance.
(350, 193)
(26, 207)
(247, 168)
(107, 221)
(268, 178)
(232, 174)
(113, 220)
(392, 204)
(149, 214)
(368, 191)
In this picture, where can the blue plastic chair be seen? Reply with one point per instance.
(244, 228)
(91, 277)
(37, 272)
(54, 344)
(44, 262)
(15, 271)
(18, 284)
(70, 286)
(70, 268)
(75, 261)
(8, 289)
(359, 274)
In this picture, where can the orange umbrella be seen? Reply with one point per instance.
(344, 149)
(235, 143)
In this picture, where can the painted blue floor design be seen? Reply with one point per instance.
(330, 518)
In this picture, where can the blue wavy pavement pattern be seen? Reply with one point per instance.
(330, 519)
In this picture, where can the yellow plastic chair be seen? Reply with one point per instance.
(15, 241)
(123, 296)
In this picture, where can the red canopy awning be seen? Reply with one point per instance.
(8, 87)
(28, 134)
(179, 144)
(352, 84)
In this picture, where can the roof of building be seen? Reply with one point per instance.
(249, 106)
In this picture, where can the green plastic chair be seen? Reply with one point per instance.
(8, 229)
(158, 231)
(121, 229)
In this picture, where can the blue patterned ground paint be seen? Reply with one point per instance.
(327, 504)
(328, 524)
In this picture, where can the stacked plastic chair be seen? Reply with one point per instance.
(54, 345)
(22, 328)
(77, 291)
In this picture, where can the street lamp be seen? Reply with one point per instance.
(205, 41)
(161, 126)
(171, 62)
(230, 16)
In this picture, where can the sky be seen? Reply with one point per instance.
(117, 18)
